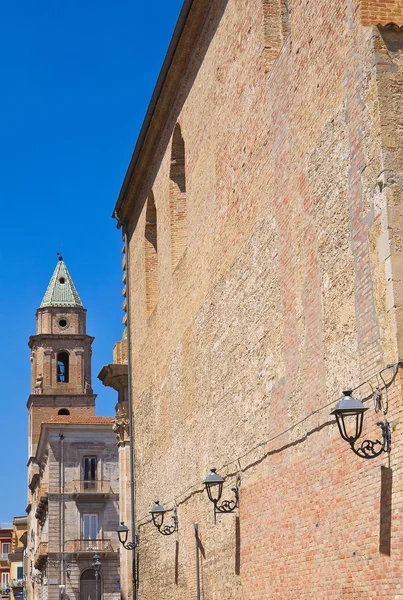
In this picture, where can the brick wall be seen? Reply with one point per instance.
(280, 300)
(374, 12)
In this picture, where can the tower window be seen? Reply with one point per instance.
(62, 367)
(62, 323)
(64, 411)
(62, 280)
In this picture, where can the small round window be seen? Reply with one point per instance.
(63, 323)
(62, 280)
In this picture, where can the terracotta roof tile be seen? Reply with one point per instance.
(79, 420)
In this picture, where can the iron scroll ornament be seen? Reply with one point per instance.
(228, 506)
(369, 448)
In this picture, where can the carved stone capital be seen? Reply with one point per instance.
(114, 376)
(121, 422)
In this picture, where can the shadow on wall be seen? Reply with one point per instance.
(385, 520)
(237, 546)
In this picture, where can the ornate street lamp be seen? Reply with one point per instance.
(158, 514)
(349, 413)
(214, 485)
(96, 565)
(123, 533)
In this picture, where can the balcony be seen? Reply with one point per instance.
(41, 555)
(89, 546)
(91, 488)
(17, 583)
(4, 556)
(42, 503)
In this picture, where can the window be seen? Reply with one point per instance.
(151, 254)
(90, 526)
(89, 472)
(177, 198)
(64, 411)
(20, 572)
(5, 548)
(62, 367)
(5, 577)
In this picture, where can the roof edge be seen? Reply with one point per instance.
(202, 8)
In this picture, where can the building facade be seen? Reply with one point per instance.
(16, 558)
(73, 460)
(6, 539)
(262, 212)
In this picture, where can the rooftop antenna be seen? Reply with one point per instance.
(59, 253)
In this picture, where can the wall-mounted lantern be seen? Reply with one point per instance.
(349, 413)
(158, 515)
(214, 485)
(123, 534)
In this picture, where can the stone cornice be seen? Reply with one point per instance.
(60, 400)
(41, 338)
(114, 376)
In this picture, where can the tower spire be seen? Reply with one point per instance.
(61, 289)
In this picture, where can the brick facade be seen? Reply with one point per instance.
(290, 288)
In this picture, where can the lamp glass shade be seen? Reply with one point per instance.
(122, 532)
(214, 484)
(157, 513)
(349, 413)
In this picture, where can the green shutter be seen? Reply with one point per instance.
(20, 572)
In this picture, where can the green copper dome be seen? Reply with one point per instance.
(61, 290)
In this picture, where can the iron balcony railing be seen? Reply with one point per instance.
(102, 545)
(16, 583)
(4, 556)
(91, 487)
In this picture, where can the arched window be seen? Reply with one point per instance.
(276, 27)
(62, 367)
(88, 586)
(177, 197)
(64, 411)
(151, 254)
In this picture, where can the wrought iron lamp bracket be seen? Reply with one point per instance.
(169, 529)
(368, 448)
(228, 506)
(131, 545)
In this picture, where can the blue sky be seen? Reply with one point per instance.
(76, 79)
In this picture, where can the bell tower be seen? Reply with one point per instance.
(60, 357)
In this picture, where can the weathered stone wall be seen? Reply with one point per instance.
(288, 290)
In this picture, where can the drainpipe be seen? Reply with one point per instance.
(62, 582)
(130, 411)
